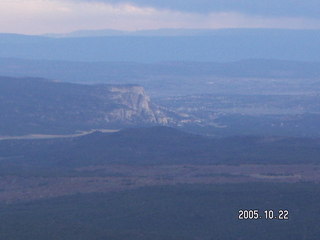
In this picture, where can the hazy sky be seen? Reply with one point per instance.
(60, 16)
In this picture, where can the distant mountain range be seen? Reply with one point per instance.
(168, 45)
(123, 72)
(164, 32)
(176, 78)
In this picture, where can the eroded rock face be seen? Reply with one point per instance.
(42, 106)
(134, 106)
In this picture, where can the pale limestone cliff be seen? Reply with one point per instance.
(134, 106)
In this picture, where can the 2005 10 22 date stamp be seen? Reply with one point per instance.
(255, 214)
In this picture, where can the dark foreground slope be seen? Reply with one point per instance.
(149, 183)
(156, 146)
(188, 212)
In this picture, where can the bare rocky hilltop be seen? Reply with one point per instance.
(34, 105)
(135, 107)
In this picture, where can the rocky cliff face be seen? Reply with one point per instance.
(134, 106)
(41, 106)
